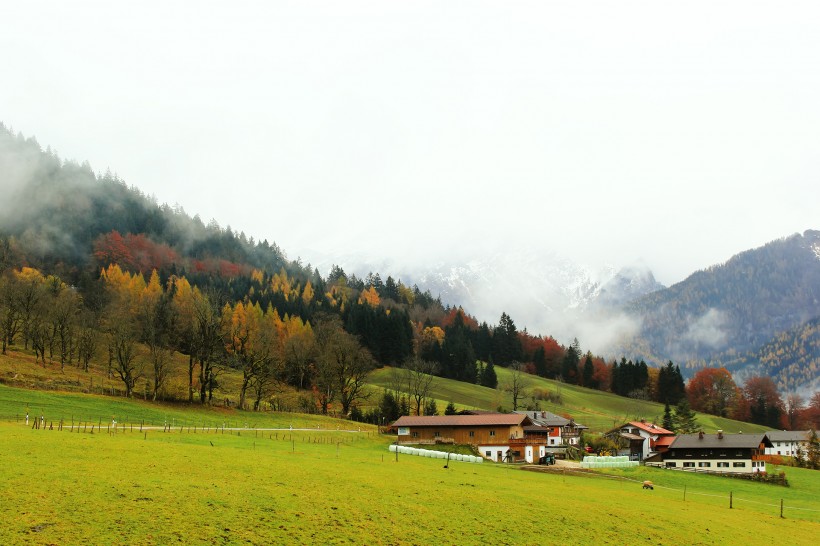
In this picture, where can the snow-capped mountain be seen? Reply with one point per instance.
(545, 293)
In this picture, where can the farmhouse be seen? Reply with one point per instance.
(788, 443)
(642, 438)
(558, 431)
(727, 453)
(497, 436)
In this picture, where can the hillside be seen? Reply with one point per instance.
(791, 359)
(600, 411)
(739, 306)
(88, 265)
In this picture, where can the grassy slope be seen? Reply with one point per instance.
(73, 488)
(598, 410)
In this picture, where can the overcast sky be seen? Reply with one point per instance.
(672, 134)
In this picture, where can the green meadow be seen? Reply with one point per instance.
(322, 485)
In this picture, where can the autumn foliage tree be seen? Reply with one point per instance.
(712, 390)
(764, 402)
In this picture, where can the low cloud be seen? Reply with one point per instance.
(707, 330)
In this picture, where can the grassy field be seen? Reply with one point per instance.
(334, 487)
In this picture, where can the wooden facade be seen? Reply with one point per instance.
(499, 434)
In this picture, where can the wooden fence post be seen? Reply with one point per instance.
(730, 499)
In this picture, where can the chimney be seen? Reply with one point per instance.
(700, 435)
(720, 435)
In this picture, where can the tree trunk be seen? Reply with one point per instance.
(191, 377)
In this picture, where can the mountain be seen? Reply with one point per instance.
(544, 292)
(791, 359)
(741, 307)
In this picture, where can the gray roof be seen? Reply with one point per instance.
(788, 435)
(548, 419)
(690, 441)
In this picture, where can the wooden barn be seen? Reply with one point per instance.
(485, 428)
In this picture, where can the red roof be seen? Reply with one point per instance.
(484, 419)
(664, 441)
(651, 428)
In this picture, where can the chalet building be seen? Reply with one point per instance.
(725, 453)
(642, 438)
(788, 443)
(497, 436)
(557, 431)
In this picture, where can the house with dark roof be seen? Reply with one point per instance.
(558, 431)
(641, 437)
(788, 443)
(724, 453)
(497, 436)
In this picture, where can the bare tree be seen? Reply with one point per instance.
(342, 365)
(299, 352)
(63, 314)
(208, 342)
(517, 384)
(419, 376)
(10, 320)
(123, 345)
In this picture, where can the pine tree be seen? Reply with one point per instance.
(539, 360)
(668, 421)
(450, 409)
(813, 452)
(569, 365)
(489, 378)
(685, 419)
(589, 371)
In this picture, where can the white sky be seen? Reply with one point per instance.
(670, 133)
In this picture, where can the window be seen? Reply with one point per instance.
(723, 465)
(415, 434)
(436, 434)
(492, 433)
(671, 464)
(472, 434)
(704, 465)
(738, 465)
(688, 465)
(488, 453)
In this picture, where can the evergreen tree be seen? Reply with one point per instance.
(431, 408)
(489, 378)
(589, 370)
(450, 409)
(668, 422)
(670, 384)
(389, 407)
(813, 451)
(569, 365)
(539, 360)
(685, 420)
(507, 345)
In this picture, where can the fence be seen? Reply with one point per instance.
(731, 501)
